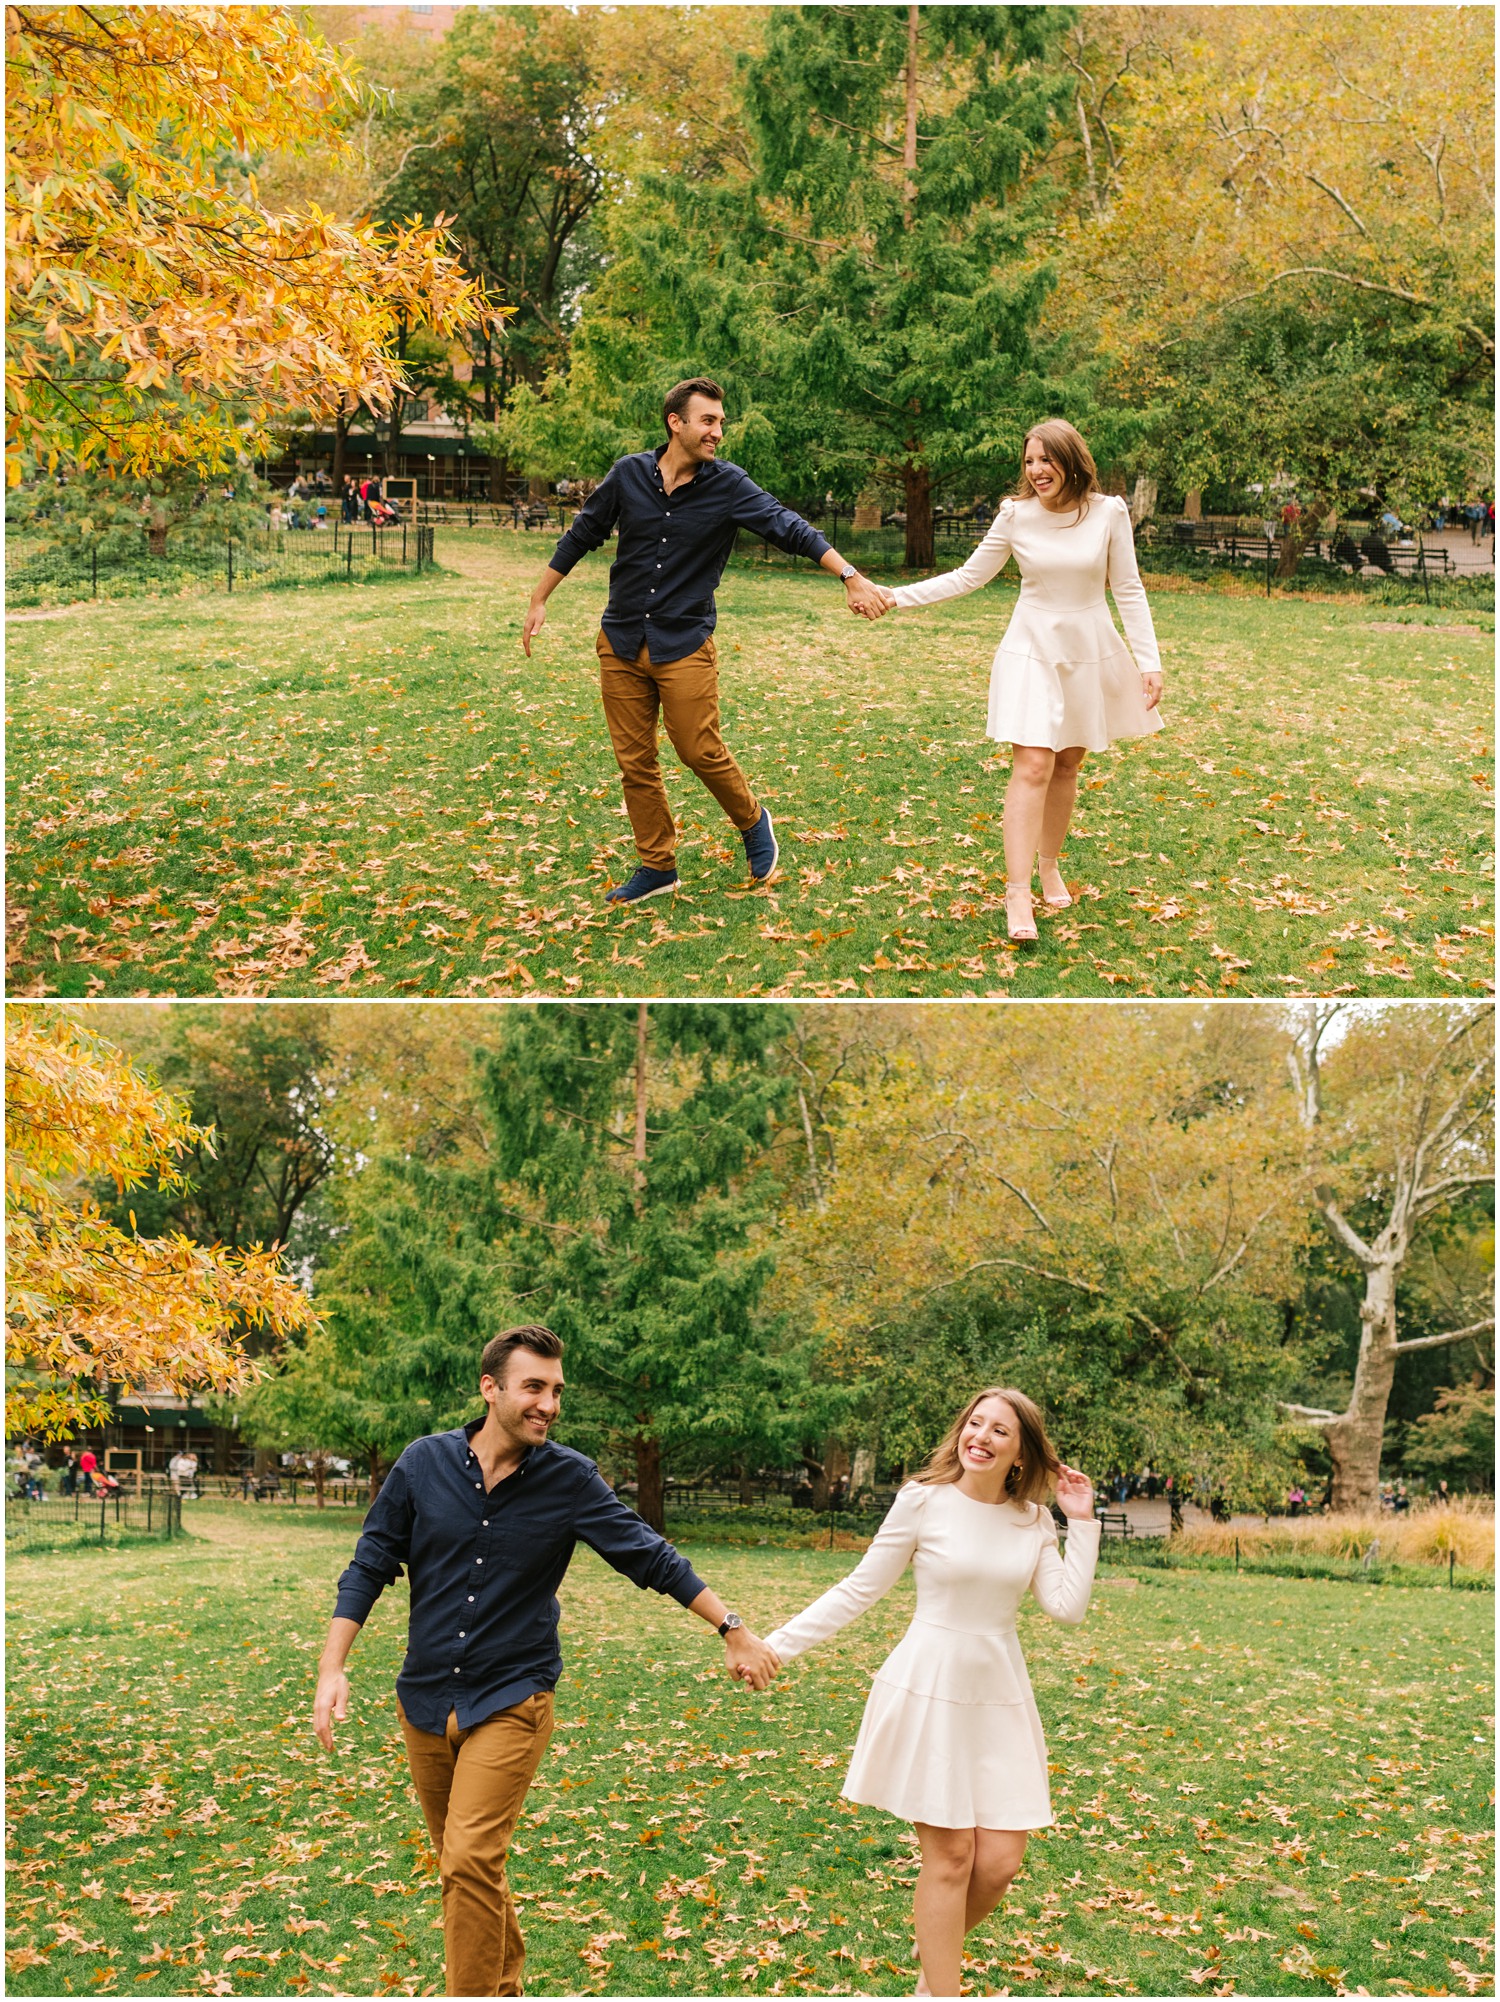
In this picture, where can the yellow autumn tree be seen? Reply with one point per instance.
(157, 310)
(87, 1303)
(1280, 244)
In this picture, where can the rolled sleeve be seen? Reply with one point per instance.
(764, 515)
(617, 1534)
(590, 528)
(384, 1547)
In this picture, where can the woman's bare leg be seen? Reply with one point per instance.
(940, 1903)
(1025, 801)
(1057, 816)
(997, 1858)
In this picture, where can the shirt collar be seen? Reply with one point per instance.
(657, 451)
(467, 1434)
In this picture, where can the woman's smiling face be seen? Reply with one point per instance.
(1046, 480)
(990, 1440)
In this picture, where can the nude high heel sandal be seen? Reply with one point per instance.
(1045, 862)
(1020, 915)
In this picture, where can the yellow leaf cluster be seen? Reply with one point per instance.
(1232, 152)
(88, 1303)
(155, 312)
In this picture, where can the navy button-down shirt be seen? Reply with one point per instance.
(673, 548)
(485, 1565)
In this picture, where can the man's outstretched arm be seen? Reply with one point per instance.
(384, 1546)
(635, 1550)
(536, 611)
(331, 1702)
(589, 529)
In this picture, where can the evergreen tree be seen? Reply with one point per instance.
(862, 281)
(622, 1201)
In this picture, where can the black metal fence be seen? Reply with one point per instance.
(344, 553)
(1349, 564)
(72, 1522)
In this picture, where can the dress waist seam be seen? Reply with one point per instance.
(974, 1633)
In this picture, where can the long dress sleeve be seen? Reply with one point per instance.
(1062, 1583)
(873, 1576)
(987, 561)
(1128, 591)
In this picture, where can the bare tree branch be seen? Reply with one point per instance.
(1441, 1341)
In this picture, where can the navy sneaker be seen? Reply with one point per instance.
(760, 846)
(644, 883)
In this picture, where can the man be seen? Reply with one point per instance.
(678, 510)
(485, 1519)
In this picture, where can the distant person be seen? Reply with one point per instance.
(1376, 552)
(678, 509)
(67, 1483)
(1475, 514)
(88, 1466)
(350, 500)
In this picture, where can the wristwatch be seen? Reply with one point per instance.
(847, 572)
(732, 1622)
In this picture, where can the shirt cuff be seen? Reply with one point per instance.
(688, 1586)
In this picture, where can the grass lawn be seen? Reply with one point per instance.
(369, 790)
(1262, 1786)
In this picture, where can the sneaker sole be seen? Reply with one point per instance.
(624, 903)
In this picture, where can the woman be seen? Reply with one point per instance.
(951, 1739)
(1063, 683)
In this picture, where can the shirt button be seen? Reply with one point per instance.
(478, 1560)
(458, 1671)
(471, 1598)
(461, 1633)
(476, 1484)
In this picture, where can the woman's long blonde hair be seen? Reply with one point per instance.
(1036, 1466)
(1065, 448)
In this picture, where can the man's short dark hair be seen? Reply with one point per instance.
(677, 399)
(499, 1349)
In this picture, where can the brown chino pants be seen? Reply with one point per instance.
(472, 1785)
(686, 693)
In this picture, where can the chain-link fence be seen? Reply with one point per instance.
(71, 1522)
(344, 553)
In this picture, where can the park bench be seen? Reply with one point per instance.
(1115, 1522)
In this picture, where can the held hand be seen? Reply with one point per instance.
(867, 600)
(1151, 689)
(536, 618)
(749, 1659)
(1075, 1494)
(331, 1702)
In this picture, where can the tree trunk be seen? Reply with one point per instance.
(1355, 1440)
(650, 1500)
(377, 1472)
(320, 1475)
(918, 502)
(340, 438)
(742, 1475)
(499, 477)
(1294, 539)
(909, 150)
(642, 1028)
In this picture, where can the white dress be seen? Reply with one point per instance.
(951, 1734)
(1062, 676)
